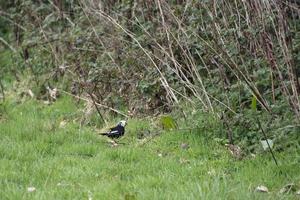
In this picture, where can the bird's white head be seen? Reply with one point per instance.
(123, 123)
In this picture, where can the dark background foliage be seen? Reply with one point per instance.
(157, 56)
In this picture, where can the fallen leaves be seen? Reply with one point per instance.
(47, 102)
(235, 151)
(287, 189)
(262, 189)
(211, 172)
(185, 146)
(265, 144)
(62, 124)
(184, 161)
(53, 93)
(62, 184)
(90, 196)
(30, 93)
(31, 189)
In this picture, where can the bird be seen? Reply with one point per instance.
(117, 131)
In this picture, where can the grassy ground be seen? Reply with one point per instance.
(74, 163)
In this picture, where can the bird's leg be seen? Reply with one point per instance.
(113, 143)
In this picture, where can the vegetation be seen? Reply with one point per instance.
(203, 84)
(72, 162)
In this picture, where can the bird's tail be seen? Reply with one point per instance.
(103, 133)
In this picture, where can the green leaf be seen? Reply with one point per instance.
(254, 103)
(168, 122)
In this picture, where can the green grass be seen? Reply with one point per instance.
(74, 163)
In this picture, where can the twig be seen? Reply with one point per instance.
(98, 104)
(229, 130)
(2, 90)
(265, 137)
(148, 139)
(42, 43)
(8, 45)
(7, 16)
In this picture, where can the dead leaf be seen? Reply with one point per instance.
(62, 124)
(47, 102)
(62, 68)
(90, 197)
(261, 188)
(185, 146)
(288, 188)
(62, 184)
(183, 161)
(30, 93)
(235, 151)
(160, 155)
(31, 189)
(53, 93)
(211, 172)
(265, 144)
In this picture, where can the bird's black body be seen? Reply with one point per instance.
(115, 132)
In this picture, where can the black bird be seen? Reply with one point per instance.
(116, 131)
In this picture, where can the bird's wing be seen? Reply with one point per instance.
(113, 133)
(114, 128)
